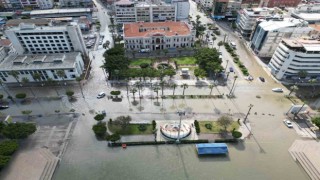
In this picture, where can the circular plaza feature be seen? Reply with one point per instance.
(171, 130)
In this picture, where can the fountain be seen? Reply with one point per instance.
(171, 130)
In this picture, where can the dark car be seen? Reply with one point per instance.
(262, 79)
(3, 107)
(231, 69)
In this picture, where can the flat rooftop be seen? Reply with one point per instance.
(307, 16)
(39, 61)
(286, 22)
(165, 28)
(60, 11)
(16, 22)
(308, 44)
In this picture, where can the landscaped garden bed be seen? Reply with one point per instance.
(236, 59)
(131, 129)
(214, 127)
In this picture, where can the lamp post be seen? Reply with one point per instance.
(235, 78)
(226, 66)
(180, 113)
(245, 119)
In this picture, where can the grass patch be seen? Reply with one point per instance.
(131, 129)
(137, 62)
(185, 60)
(215, 128)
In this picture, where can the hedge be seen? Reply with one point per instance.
(157, 142)
(8, 147)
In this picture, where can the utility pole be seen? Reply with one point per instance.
(180, 113)
(224, 39)
(245, 119)
(235, 78)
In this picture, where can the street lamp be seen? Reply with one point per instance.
(245, 119)
(180, 113)
(226, 66)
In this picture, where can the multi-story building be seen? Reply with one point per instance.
(55, 13)
(46, 66)
(307, 12)
(250, 3)
(158, 36)
(268, 34)
(76, 3)
(247, 19)
(295, 55)
(30, 39)
(127, 11)
(226, 8)
(31, 4)
(206, 4)
(280, 3)
(37, 22)
(6, 48)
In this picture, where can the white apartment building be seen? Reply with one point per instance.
(158, 36)
(31, 39)
(18, 4)
(268, 34)
(127, 11)
(295, 55)
(45, 65)
(247, 19)
(207, 4)
(307, 12)
(75, 3)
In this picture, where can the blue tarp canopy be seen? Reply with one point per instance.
(212, 148)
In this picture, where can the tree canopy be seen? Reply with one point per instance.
(224, 121)
(18, 130)
(208, 60)
(99, 129)
(316, 121)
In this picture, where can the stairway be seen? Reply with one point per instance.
(52, 162)
(305, 153)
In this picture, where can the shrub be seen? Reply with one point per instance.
(197, 127)
(8, 147)
(21, 95)
(114, 137)
(154, 124)
(144, 65)
(1, 96)
(4, 160)
(236, 134)
(18, 130)
(208, 126)
(99, 129)
(69, 93)
(110, 121)
(142, 127)
(115, 93)
(99, 117)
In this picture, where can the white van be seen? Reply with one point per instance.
(233, 45)
(144, 50)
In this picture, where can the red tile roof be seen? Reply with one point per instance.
(174, 28)
(5, 42)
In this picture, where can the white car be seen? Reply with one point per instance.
(277, 90)
(288, 123)
(101, 95)
(211, 42)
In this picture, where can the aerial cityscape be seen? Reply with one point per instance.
(159, 89)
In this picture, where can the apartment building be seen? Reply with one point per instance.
(46, 66)
(250, 3)
(280, 3)
(158, 36)
(295, 55)
(247, 19)
(268, 34)
(226, 9)
(31, 39)
(56, 13)
(307, 12)
(32, 4)
(76, 3)
(127, 11)
(207, 4)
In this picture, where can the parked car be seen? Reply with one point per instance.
(3, 107)
(101, 95)
(262, 79)
(100, 42)
(277, 90)
(104, 113)
(288, 123)
(231, 69)
(220, 52)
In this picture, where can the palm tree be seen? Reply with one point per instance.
(184, 86)
(235, 78)
(220, 44)
(78, 79)
(162, 84)
(133, 91)
(156, 90)
(139, 86)
(173, 85)
(61, 74)
(211, 86)
(292, 89)
(15, 75)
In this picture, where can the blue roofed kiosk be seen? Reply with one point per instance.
(212, 148)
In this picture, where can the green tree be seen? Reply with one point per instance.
(200, 73)
(225, 121)
(173, 86)
(21, 95)
(100, 129)
(18, 130)
(114, 137)
(15, 75)
(208, 60)
(184, 86)
(124, 121)
(162, 84)
(106, 44)
(36, 76)
(99, 117)
(302, 74)
(220, 43)
(139, 86)
(156, 90)
(4, 160)
(293, 89)
(8, 147)
(211, 86)
(316, 121)
(61, 74)
(133, 91)
(69, 93)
